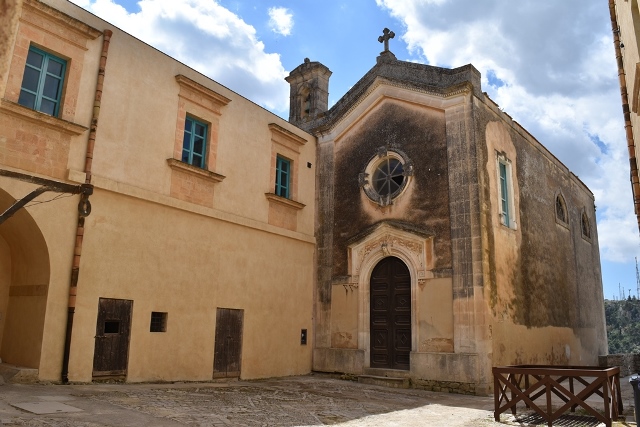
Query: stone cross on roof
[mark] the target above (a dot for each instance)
(387, 34)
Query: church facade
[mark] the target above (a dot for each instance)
(413, 230)
(449, 239)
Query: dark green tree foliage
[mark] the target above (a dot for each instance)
(623, 325)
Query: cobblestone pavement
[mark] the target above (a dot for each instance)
(312, 400)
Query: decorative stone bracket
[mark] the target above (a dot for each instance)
(350, 286)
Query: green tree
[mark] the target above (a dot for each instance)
(623, 325)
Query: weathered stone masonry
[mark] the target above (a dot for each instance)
(484, 294)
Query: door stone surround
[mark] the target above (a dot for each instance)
(417, 252)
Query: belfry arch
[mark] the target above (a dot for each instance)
(24, 285)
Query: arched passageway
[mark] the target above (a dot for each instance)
(24, 285)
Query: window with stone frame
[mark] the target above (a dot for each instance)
(198, 121)
(283, 182)
(43, 103)
(386, 175)
(585, 226)
(193, 175)
(561, 210)
(505, 192)
(42, 82)
(46, 65)
(283, 177)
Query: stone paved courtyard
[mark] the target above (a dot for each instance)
(312, 400)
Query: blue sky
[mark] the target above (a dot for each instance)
(549, 64)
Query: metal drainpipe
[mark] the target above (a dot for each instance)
(631, 146)
(77, 252)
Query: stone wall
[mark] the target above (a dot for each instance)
(421, 134)
(9, 12)
(542, 274)
(629, 363)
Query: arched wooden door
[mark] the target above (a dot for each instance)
(390, 315)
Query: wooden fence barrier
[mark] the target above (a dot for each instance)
(526, 383)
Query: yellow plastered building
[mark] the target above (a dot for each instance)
(186, 241)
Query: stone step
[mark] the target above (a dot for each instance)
(384, 381)
(13, 374)
(393, 373)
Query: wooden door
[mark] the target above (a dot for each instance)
(112, 337)
(228, 343)
(390, 315)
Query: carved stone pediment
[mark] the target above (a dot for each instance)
(387, 240)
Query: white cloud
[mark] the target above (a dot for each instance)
(543, 75)
(280, 20)
(207, 37)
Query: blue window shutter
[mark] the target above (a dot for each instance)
(194, 142)
(504, 193)
(283, 177)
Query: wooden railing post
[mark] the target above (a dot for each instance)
(496, 396)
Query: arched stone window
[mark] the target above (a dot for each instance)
(305, 100)
(307, 106)
(585, 226)
(561, 210)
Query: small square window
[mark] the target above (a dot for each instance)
(194, 143)
(42, 82)
(283, 177)
(158, 322)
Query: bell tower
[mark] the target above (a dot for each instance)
(309, 95)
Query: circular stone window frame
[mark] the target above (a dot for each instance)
(374, 163)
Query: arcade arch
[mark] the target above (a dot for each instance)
(24, 285)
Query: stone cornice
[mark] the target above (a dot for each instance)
(193, 170)
(127, 189)
(394, 224)
(283, 201)
(286, 138)
(417, 77)
(78, 27)
(41, 119)
(276, 128)
(331, 121)
(188, 87)
(296, 73)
